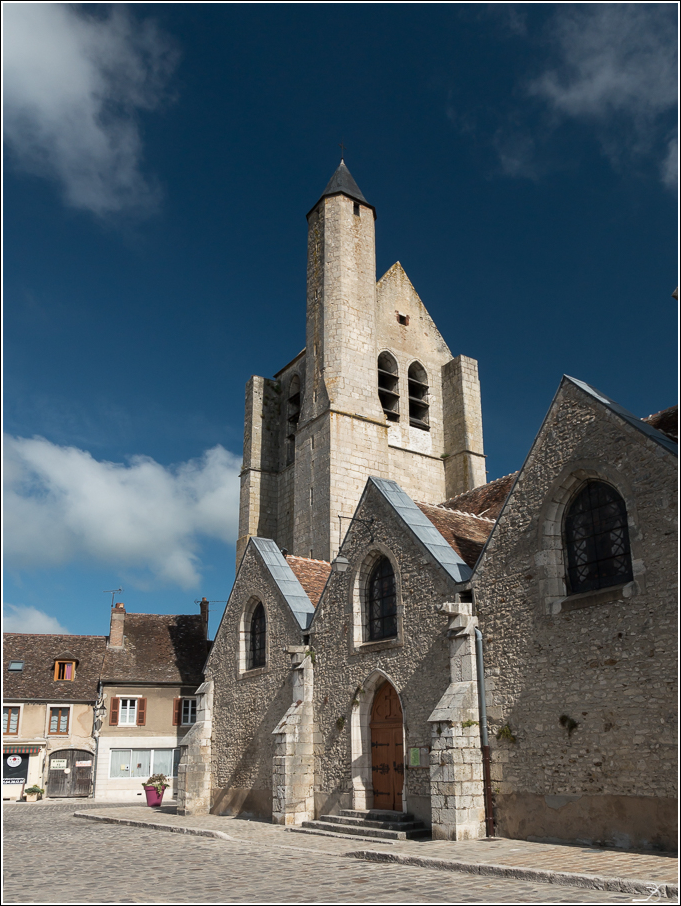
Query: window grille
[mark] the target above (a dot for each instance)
(382, 601)
(597, 539)
(258, 638)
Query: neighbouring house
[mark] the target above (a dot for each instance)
(49, 696)
(404, 636)
(152, 668)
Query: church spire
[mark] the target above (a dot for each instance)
(343, 183)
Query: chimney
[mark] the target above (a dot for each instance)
(204, 614)
(117, 626)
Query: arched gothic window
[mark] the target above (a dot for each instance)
(389, 386)
(418, 396)
(597, 539)
(382, 602)
(258, 652)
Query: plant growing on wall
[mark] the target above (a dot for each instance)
(505, 733)
(340, 723)
(570, 725)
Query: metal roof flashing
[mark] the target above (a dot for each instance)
(285, 580)
(423, 529)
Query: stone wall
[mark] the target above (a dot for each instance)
(248, 704)
(605, 661)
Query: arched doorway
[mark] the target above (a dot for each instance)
(387, 749)
(69, 773)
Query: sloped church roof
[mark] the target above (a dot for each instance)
(342, 183)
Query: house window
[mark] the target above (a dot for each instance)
(389, 386)
(127, 714)
(142, 763)
(258, 638)
(184, 712)
(382, 602)
(10, 721)
(59, 721)
(418, 397)
(64, 670)
(597, 539)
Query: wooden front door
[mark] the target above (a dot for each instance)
(69, 773)
(387, 749)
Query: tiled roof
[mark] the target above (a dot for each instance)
(158, 649)
(465, 532)
(312, 575)
(39, 652)
(666, 421)
(487, 500)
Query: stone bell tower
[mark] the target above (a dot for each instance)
(375, 391)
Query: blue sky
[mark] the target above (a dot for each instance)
(159, 163)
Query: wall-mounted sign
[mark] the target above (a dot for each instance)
(14, 761)
(419, 757)
(13, 780)
(57, 764)
(84, 764)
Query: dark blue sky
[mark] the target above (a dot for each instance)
(520, 159)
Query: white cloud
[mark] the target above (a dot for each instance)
(16, 618)
(615, 66)
(61, 505)
(74, 82)
(670, 165)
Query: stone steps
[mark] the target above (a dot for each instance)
(370, 825)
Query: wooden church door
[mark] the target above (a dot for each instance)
(387, 749)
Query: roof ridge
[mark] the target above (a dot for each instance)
(307, 559)
(448, 509)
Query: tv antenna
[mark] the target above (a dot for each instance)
(113, 592)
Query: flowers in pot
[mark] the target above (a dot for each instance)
(33, 793)
(154, 788)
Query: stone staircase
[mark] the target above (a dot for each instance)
(371, 826)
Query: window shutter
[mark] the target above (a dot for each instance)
(113, 713)
(177, 712)
(141, 712)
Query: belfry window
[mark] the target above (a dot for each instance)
(382, 602)
(258, 653)
(418, 397)
(389, 386)
(597, 539)
(292, 417)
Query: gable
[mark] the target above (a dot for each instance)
(395, 293)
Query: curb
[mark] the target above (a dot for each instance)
(169, 828)
(539, 875)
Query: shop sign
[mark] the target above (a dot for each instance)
(57, 764)
(84, 764)
(13, 761)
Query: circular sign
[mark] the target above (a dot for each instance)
(13, 761)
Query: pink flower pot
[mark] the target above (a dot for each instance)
(154, 798)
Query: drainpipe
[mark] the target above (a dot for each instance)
(482, 705)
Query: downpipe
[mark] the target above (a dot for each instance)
(482, 707)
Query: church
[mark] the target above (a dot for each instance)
(409, 646)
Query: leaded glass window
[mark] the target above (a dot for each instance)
(382, 601)
(597, 539)
(258, 637)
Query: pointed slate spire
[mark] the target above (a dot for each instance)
(342, 183)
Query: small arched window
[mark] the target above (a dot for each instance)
(597, 539)
(418, 397)
(292, 417)
(389, 386)
(258, 651)
(382, 602)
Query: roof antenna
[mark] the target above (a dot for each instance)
(113, 592)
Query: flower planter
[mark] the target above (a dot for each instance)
(154, 797)
(31, 797)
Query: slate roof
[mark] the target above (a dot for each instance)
(158, 648)
(39, 652)
(285, 579)
(666, 421)
(342, 183)
(424, 530)
(642, 425)
(487, 500)
(464, 532)
(312, 575)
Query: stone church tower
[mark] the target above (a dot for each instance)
(376, 391)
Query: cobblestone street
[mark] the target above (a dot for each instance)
(52, 857)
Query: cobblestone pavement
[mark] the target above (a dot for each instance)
(52, 857)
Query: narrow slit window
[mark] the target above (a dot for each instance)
(418, 397)
(258, 655)
(389, 386)
(292, 418)
(382, 602)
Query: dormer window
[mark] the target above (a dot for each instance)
(64, 670)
